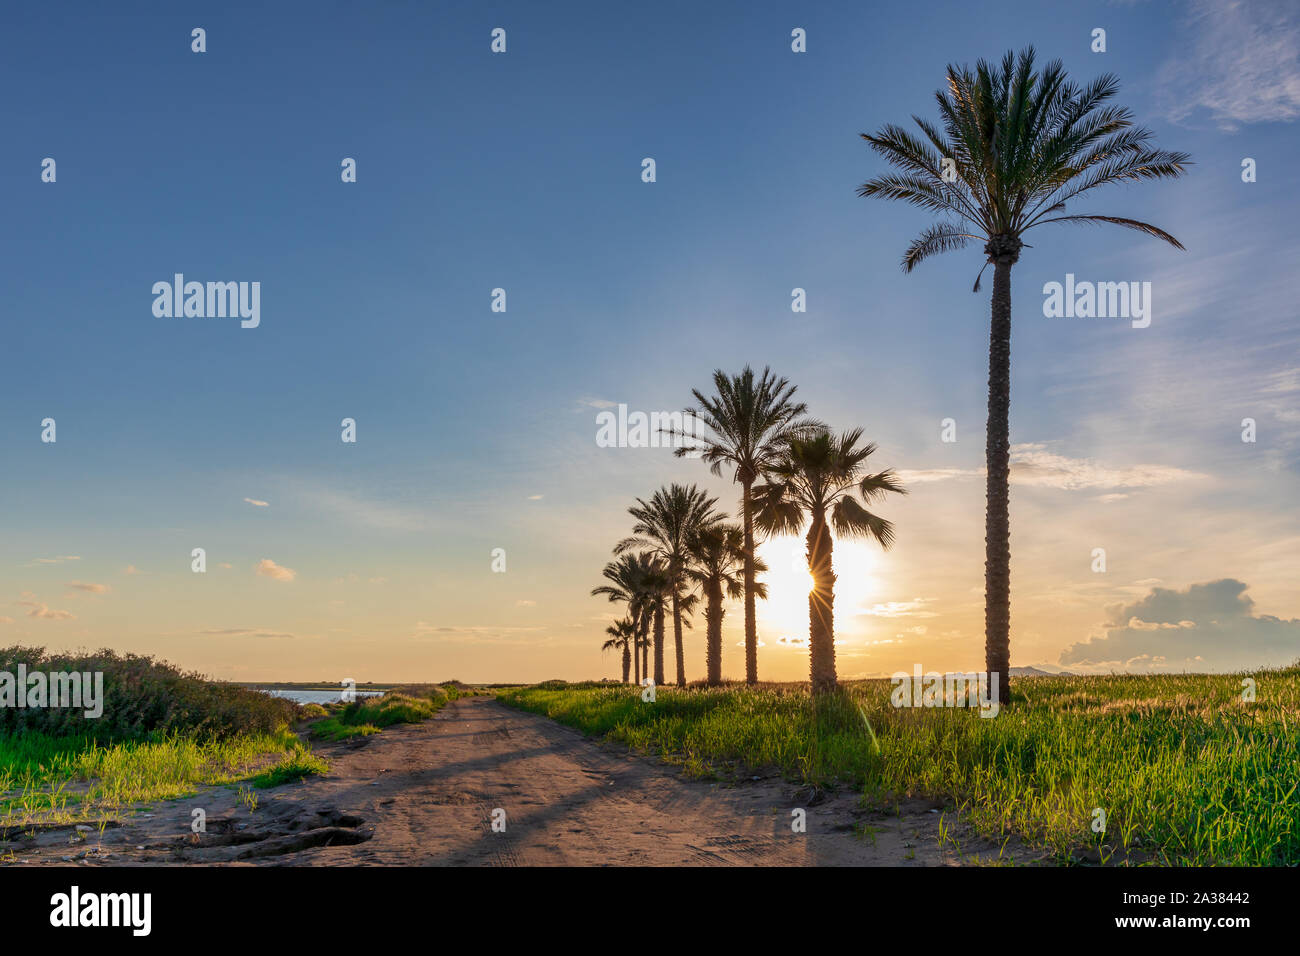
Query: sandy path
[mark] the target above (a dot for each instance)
(423, 795)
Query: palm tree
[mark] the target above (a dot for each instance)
(814, 475)
(621, 635)
(748, 419)
(664, 527)
(631, 581)
(717, 551)
(1016, 147)
(656, 593)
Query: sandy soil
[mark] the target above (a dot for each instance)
(424, 795)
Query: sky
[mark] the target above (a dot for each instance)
(476, 429)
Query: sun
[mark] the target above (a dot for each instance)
(785, 612)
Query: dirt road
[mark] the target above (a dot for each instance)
(425, 795)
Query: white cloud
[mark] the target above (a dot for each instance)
(269, 569)
(912, 608)
(365, 512)
(44, 613)
(259, 504)
(92, 588)
(245, 632)
(1033, 464)
(1238, 61)
(478, 634)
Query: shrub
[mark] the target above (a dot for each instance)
(143, 698)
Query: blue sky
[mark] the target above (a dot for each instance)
(522, 171)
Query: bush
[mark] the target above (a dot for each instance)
(410, 704)
(143, 698)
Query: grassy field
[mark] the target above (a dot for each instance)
(1186, 771)
(58, 779)
(404, 705)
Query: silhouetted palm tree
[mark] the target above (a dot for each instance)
(815, 475)
(664, 527)
(1021, 145)
(632, 581)
(621, 635)
(748, 417)
(717, 551)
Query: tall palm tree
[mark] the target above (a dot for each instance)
(749, 417)
(621, 635)
(717, 552)
(631, 581)
(1017, 146)
(664, 527)
(657, 590)
(815, 476)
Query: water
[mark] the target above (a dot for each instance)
(316, 696)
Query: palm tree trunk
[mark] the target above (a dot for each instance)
(659, 646)
(677, 637)
(713, 644)
(821, 607)
(997, 520)
(636, 653)
(751, 626)
(645, 650)
(627, 658)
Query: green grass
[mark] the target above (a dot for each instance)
(61, 779)
(1186, 772)
(296, 766)
(369, 715)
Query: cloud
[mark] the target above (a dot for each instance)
(6, 620)
(269, 569)
(259, 504)
(245, 632)
(1033, 464)
(926, 475)
(43, 612)
(477, 634)
(534, 497)
(525, 603)
(1238, 61)
(1209, 627)
(364, 512)
(59, 560)
(92, 588)
(132, 569)
(596, 403)
(912, 608)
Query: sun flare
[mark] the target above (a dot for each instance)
(784, 615)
